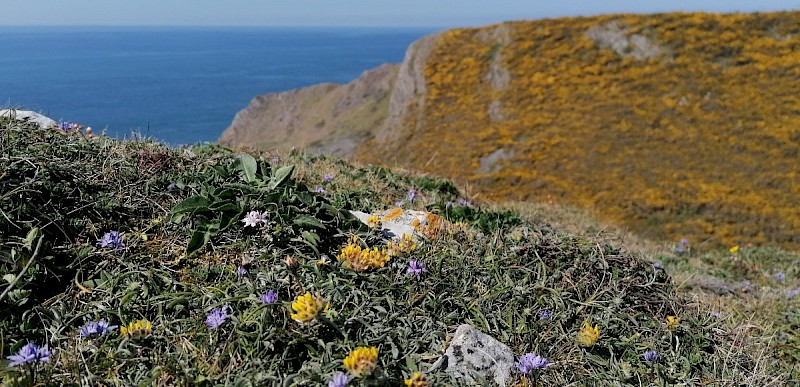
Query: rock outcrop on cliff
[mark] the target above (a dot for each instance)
(676, 125)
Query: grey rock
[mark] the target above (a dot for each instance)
(42, 120)
(473, 356)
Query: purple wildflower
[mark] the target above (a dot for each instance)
(269, 297)
(780, 276)
(112, 239)
(216, 317)
(684, 242)
(241, 271)
(66, 125)
(658, 265)
(679, 250)
(275, 159)
(544, 314)
(30, 353)
(327, 178)
(172, 187)
(99, 328)
(463, 202)
(339, 380)
(652, 356)
(793, 292)
(531, 361)
(416, 268)
(412, 194)
(318, 189)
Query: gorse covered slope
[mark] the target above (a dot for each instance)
(698, 136)
(678, 126)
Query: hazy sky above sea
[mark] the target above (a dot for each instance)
(428, 13)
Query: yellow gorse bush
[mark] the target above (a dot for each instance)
(137, 329)
(402, 247)
(359, 259)
(361, 361)
(587, 336)
(306, 307)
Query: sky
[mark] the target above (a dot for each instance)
(396, 13)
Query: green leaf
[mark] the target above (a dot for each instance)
(312, 238)
(227, 219)
(191, 204)
(247, 164)
(280, 176)
(199, 239)
(306, 221)
(31, 237)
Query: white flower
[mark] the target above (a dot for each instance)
(253, 218)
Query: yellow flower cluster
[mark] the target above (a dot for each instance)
(361, 360)
(403, 247)
(137, 329)
(307, 306)
(417, 380)
(673, 322)
(359, 259)
(588, 335)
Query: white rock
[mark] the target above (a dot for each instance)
(396, 226)
(473, 353)
(41, 120)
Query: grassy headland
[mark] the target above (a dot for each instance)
(188, 265)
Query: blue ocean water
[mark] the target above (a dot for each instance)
(179, 84)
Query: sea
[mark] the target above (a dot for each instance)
(179, 85)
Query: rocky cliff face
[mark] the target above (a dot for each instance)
(677, 125)
(326, 118)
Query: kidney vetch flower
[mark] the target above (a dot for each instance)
(588, 335)
(361, 360)
(306, 307)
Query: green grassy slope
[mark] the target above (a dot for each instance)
(180, 209)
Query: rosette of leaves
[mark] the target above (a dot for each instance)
(227, 190)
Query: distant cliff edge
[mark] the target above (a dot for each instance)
(331, 118)
(681, 125)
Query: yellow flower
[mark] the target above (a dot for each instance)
(137, 329)
(307, 307)
(588, 335)
(402, 247)
(417, 380)
(361, 360)
(358, 258)
(673, 322)
(734, 249)
(373, 221)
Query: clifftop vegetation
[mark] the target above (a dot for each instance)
(130, 263)
(681, 125)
